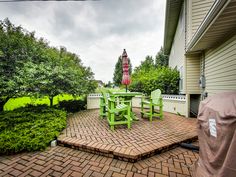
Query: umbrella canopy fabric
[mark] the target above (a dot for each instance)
(125, 63)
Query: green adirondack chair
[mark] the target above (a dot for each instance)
(103, 103)
(119, 112)
(155, 100)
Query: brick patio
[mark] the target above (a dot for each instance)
(88, 132)
(62, 161)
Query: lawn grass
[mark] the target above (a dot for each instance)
(15, 103)
(99, 90)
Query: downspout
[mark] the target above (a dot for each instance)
(188, 109)
(203, 78)
(185, 25)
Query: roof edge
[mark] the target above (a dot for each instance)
(165, 27)
(210, 18)
(169, 31)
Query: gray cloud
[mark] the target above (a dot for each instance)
(96, 30)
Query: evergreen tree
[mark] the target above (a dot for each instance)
(146, 65)
(118, 72)
(161, 58)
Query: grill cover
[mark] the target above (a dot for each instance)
(217, 136)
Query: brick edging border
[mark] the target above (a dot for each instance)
(124, 157)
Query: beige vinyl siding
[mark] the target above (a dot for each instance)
(198, 12)
(189, 21)
(177, 57)
(192, 74)
(220, 68)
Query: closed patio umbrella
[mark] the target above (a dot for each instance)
(125, 63)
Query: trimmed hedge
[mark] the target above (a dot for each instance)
(30, 128)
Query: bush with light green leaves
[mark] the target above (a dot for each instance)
(164, 78)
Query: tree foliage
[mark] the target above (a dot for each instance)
(146, 65)
(108, 85)
(161, 58)
(118, 72)
(16, 47)
(30, 67)
(149, 76)
(163, 78)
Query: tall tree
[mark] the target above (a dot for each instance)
(108, 85)
(118, 72)
(161, 58)
(146, 65)
(17, 46)
(53, 78)
(117, 76)
(29, 67)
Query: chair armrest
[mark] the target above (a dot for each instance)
(144, 97)
(127, 102)
(111, 100)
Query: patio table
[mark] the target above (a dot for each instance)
(127, 97)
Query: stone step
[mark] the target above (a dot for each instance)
(125, 154)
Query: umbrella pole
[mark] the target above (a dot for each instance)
(126, 87)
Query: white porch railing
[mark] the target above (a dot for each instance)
(172, 103)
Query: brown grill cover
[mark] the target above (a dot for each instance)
(217, 136)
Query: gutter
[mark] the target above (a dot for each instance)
(210, 18)
(165, 26)
(169, 29)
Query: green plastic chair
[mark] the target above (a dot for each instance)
(118, 113)
(103, 103)
(155, 100)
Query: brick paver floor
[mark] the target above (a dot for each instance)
(62, 161)
(87, 131)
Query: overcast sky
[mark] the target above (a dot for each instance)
(97, 31)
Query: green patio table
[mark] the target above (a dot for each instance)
(127, 97)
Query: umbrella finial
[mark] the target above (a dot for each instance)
(124, 53)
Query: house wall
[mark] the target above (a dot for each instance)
(198, 10)
(192, 90)
(220, 68)
(192, 74)
(176, 57)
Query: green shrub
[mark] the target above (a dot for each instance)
(163, 78)
(30, 128)
(73, 105)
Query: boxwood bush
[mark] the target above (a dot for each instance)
(30, 128)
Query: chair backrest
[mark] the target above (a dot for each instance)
(105, 96)
(155, 96)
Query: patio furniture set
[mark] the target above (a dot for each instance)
(117, 107)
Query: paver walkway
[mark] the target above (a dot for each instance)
(87, 131)
(62, 161)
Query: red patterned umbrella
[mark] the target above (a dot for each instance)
(125, 63)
